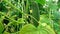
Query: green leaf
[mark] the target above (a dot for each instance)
(27, 29)
(43, 27)
(6, 32)
(30, 29)
(1, 27)
(56, 15)
(53, 6)
(44, 19)
(41, 1)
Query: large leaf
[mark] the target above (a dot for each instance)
(44, 27)
(30, 29)
(6, 32)
(27, 29)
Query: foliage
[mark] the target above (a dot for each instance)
(29, 16)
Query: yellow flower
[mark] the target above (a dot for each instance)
(30, 11)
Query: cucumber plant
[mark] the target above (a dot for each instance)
(29, 17)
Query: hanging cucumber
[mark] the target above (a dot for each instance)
(34, 10)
